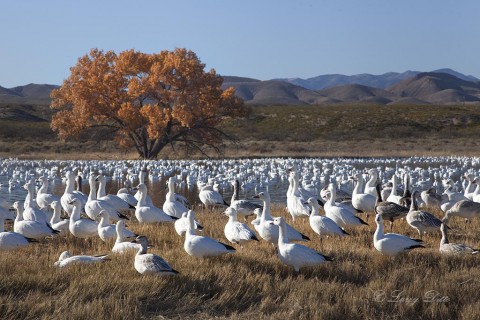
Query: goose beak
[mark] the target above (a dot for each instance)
(256, 196)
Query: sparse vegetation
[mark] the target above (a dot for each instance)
(252, 283)
(354, 130)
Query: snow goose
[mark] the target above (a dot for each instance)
(69, 194)
(125, 195)
(392, 244)
(31, 211)
(293, 254)
(370, 186)
(56, 222)
(44, 199)
(209, 197)
(149, 214)
(453, 248)
(67, 259)
(94, 206)
(339, 213)
(171, 206)
(202, 247)
(148, 263)
(243, 208)
(181, 225)
(111, 199)
(269, 232)
(465, 208)
(471, 186)
(107, 231)
(420, 220)
(148, 200)
(394, 197)
(452, 195)
(80, 227)
(120, 245)
(12, 240)
(31, 229)
(295, 203)
(389, 210)
(237, 232)
(322, 225)
(361, 201)
(431, 199)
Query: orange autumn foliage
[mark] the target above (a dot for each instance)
(147, 100)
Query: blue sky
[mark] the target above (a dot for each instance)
(261, 39)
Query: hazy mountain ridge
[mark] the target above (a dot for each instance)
(447, 87)
(381, 81)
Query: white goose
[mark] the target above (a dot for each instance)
(237, 232)
(171, 206)
(148, 263)
(268, 231)
(44, 199)
(295, 203)
(32, 212)
(108, 231)
(149, 214)
(212, 198)
(361, 201)
(93, 207)
(322, 225)
(125, 195)
(453, 248)
(120, 245)
(67, 259)
(112, 199)
(29, 228)
(296, 255)
(394, 197)
(370, 186)
(392, 244)
(202, 247)
(79, 227)
(341, 214)
(70, 194)
(12, 240)
(141, 178)
(182, 224)
(57, 222)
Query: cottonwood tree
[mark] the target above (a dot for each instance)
(148, 101)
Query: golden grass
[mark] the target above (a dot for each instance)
(252, 283)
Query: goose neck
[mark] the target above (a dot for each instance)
(282, 234)
(379, 232)
(101, 188)
(92, 195)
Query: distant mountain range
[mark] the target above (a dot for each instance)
(381, 81)
(447, 87)
(443, 86)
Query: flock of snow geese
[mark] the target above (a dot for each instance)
(346, 190)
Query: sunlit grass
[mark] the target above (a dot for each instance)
(252, 283)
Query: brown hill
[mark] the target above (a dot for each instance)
(437, 88)
(36, 91)
(358, 93)
(274, 92)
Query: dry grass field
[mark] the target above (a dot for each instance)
(251, 284)
(292, 131)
